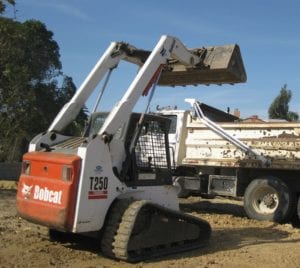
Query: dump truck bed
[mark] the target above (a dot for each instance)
(277, 141)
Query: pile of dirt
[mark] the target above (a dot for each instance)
(8, 185)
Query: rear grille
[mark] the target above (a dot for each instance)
(72, 143)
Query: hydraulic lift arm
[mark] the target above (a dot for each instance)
(167, 47)
(170, 60)
(109, 60)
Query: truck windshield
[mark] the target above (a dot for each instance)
(173, 123)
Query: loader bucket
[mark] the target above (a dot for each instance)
(220, 65)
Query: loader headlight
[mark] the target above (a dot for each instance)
(67, 173)
(26, 167)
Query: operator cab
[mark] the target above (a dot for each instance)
(147, 160)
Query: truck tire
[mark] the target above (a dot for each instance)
(298, 207)
(296, 216)
(296, 222)
(269, 199)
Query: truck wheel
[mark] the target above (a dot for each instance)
(269, 199)
(296, 216)
(298, 207)
(296, 222)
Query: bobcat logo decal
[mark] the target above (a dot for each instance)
(26, 190)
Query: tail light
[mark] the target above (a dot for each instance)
(67, 173)
(26, 167)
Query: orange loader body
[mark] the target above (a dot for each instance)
(48, 188)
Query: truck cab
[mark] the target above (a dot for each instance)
(180, 119)
(176, 133)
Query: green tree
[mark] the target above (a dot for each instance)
(3, 5)
(68, 89)
(279, 108)
(30, 95)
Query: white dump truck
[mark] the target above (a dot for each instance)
(259, 161)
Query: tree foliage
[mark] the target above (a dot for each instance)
(3, 4)
(279, 109)
(30, 95)
(67, 91)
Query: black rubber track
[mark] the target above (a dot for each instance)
(140, 230)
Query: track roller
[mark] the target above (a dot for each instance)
(137, 230)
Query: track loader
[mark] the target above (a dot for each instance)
(101, 184)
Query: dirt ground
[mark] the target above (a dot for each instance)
(236, 241)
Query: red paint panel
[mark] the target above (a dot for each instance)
(152, 80)
(43, 196)
(97, 194)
